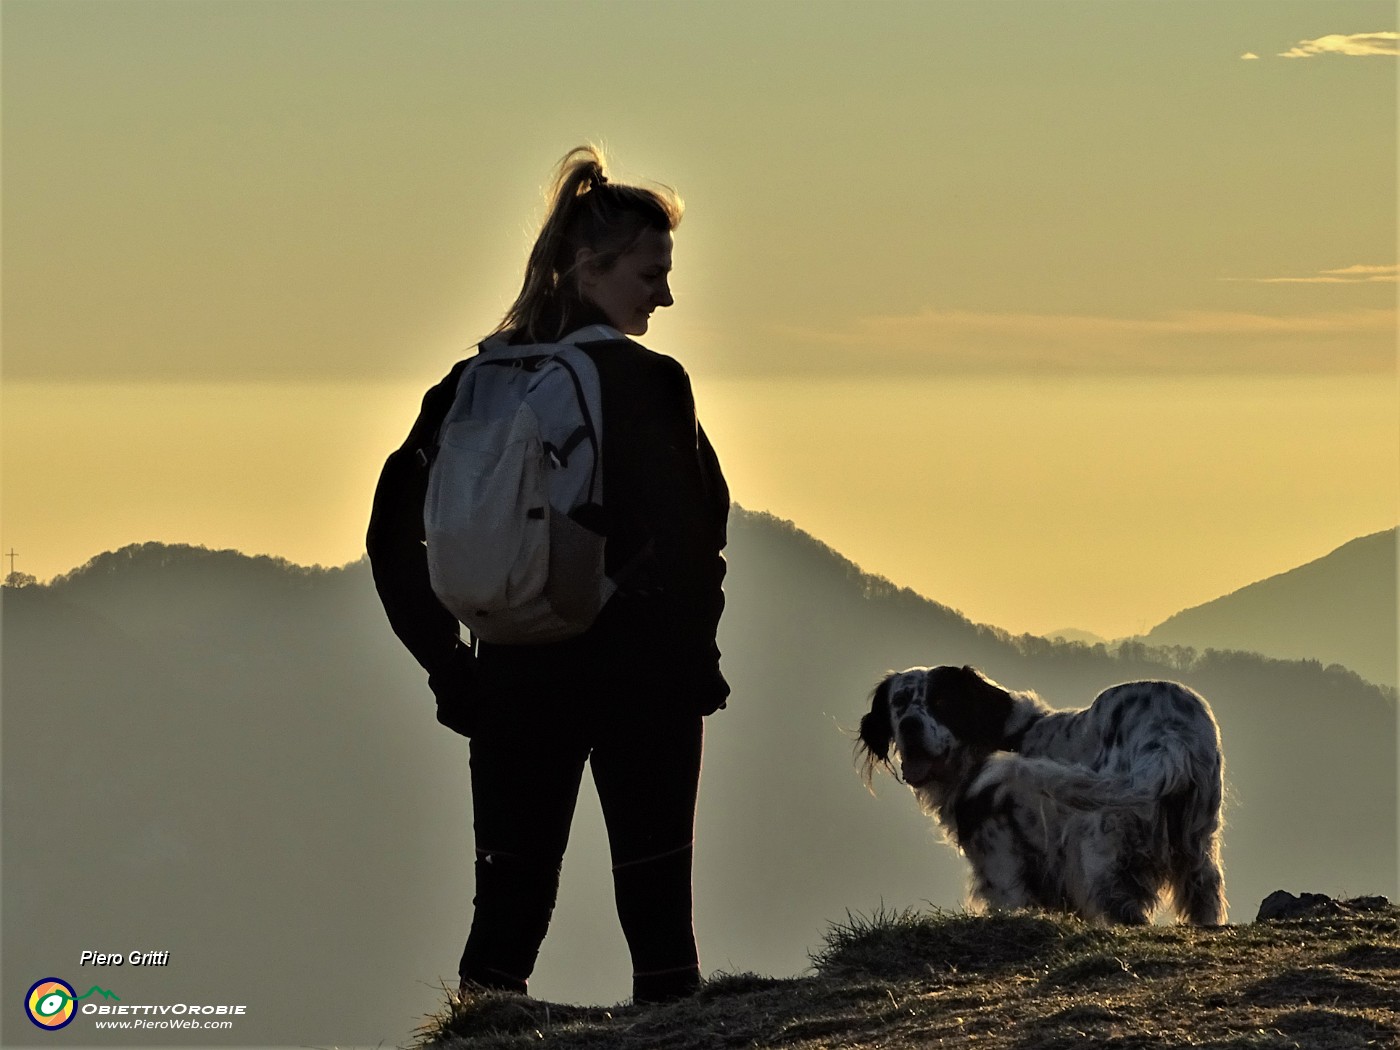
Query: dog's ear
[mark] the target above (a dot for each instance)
(971, 705)
(876, 735)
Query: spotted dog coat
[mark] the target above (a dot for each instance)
(1098, 812)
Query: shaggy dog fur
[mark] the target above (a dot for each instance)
(1098, 812)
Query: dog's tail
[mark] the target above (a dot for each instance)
(1073, 787)
(1173, 767)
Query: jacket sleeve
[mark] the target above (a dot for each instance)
(703, 522)
(713, 567)
(397, 556)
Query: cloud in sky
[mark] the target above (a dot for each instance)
(1186, 342)
(1250, 56)
(1346, 275)
(1351, 44)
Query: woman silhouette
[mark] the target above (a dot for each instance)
(626, 696)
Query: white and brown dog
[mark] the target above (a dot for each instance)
(1099, 812)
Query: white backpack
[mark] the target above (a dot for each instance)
(514, 512)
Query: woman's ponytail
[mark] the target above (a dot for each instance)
(584, 210)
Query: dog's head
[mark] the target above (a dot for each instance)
(929, 715)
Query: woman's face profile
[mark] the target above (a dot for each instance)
(634, 286)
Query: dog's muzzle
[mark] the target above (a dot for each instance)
(916, 765)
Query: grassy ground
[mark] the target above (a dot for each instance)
(905, 980)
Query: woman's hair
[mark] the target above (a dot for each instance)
(585, 211)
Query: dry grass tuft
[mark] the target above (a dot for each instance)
(901, 980)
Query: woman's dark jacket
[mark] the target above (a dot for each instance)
(666, 506)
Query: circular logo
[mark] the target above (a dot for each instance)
(49, 1003)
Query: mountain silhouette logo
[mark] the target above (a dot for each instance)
(51, 1002)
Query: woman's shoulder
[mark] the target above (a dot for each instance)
(625, 351)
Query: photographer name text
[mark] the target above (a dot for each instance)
(134, 958)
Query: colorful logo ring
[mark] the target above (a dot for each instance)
(50, 1003)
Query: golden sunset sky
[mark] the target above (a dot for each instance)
(1065, 314)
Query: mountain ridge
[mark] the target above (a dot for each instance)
(1246, 619)
(276, 786)
(1340, 608)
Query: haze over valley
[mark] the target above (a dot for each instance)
(231, 758)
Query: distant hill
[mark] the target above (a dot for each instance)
(1073, 634)
(232, 759)
(1340, 608)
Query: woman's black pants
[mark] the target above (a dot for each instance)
(525, 780)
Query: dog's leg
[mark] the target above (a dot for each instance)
(1199, 886)
(1001, 895)
(998, 880)
(1197, 880)
(1126, 910)
(1203, 896)
(1126, 896)
(1119, 884)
